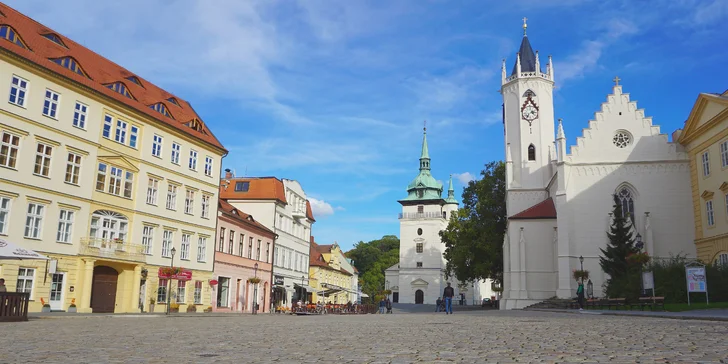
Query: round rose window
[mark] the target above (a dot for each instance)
(622, 139)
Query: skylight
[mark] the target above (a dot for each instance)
(71, 64)
(54, 38)
(120, 88)
(10, 34)
(160, 108)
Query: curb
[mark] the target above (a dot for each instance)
(661, 316)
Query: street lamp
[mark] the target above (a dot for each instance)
(639, 245)
(302, 278)
(169, 284)
(581, 261)
(255, 291)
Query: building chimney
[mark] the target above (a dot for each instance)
(312, 239)
(228, 174)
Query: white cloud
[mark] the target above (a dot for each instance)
(464, 178)
(320, 208)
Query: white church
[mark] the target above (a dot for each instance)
(419, 276)
(559, 202)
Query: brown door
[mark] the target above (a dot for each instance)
(103, 290)
(419, 297)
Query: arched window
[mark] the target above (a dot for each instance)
(531, 153)
(529, 93)
(626, 199)
(108, 226)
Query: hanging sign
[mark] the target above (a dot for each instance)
(278, 280)
(696, 279)
(175, 273)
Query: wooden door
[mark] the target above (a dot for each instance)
(103, 290)
(419, 297)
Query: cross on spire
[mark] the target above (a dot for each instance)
(524, 25)
(616, 80)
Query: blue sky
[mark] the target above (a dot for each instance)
(334, 93)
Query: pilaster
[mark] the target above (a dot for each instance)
(136, 285)
(522, 293)
(88, 278)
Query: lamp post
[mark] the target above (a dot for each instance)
(639, 244)
(255, 291)
(581, 261)
(169, 284)
(387, 288)
(302, 278)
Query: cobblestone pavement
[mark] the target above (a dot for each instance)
(465, 337)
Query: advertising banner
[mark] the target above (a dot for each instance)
(696, 279)
(175, 273)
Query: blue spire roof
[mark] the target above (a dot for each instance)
(528, 57)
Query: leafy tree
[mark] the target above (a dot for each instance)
(624, 279)
(474, 236)
(371, 259)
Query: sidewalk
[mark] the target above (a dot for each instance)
(706, 315)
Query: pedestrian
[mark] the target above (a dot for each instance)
(388, 304)
(2, 285)
(382, 304)
(438, 302)
(449, 293)
(580, 295)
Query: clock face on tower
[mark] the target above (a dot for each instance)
(529, 110)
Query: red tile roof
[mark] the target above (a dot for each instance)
(241, 217)
(315, 258)
(542, 210)
(309, 211)
(100, 71)
(260, 188)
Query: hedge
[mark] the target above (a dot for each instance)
(669, 276)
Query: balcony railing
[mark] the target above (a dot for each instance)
(421, 215)
(112, 249)
(299, 214)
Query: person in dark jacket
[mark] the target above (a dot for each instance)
(449, 293)
(438, 303)
(388, 305)
(382, 304)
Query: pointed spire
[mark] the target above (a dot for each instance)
(503, 71)
(425, 156)
(551, 69)
(451, 193)
(538, 64)
(560, 133)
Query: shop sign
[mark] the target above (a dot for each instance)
(278, 280)
(175, 273)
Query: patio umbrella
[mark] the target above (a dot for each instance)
(9, 250)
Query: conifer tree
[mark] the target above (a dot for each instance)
(623, 281)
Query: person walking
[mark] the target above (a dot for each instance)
(438, 303)
(449, 293)
(580, 295)
(382, 304)
(388, 304)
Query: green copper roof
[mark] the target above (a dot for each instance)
(451, 193)
(424, 186)
(425, 153)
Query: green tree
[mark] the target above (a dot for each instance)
(624, 279)
(371, 259)
(474, 236)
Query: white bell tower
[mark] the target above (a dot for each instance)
(528, 118)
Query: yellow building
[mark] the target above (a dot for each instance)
(705, 137)
(104, 173)
(331, 275)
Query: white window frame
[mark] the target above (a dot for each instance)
(128, 184)
(41, 158)
(120, 132)
(157, 143)
(201, 249)
(197, 295)
(193, 160)
(10, 148)
(184, 251)
(73, 168)
(163, 284)
(167, 241)
(108, 126)
(709, 213)
(176, 151)
(153, 191)
(34, 221)
(706, 163)
(65, 226)
(79, 115)
(50, 104)
(171, 203)
(148, 239)
(21, 86)
(189, 202)
(205, 206)
(115, 180)
(722, 259)
(181, 291)
(101, 177)
(25, 277)
(133, 136)
(5, 205)
(724, 153)
(208, 166)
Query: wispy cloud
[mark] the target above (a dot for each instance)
(321, 208)
(464, 178)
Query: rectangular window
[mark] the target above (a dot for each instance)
(175, 153)
(706, 164)
(43, 160)
(34, 221)
(133, 135)
(419, 264)
(724, 153)
(208, 166)
(65, 226)
(157, 146)
(709, 213)
(275, 256)
(50, 105)
(205, 206)
(152, 189)
(241, 244)
(722, 260)
(242, 186)
(189, 202)
(73, 168)
(120, 135)
(18, 90)
(185, 248)
(162, 291)
(193, 160)
(420, 209)
(167, 243)
(231, 241)
(79, 115)
(181, 291)
(148, 239)
(257, 253)
(223, 291)
(198, 292)
(250, 248)
(420, 247)
(107, 126)
(201, 249)
(101, 177)
(172, 197)
(115, 181)
(9, 150)
(4, 214)
(25, 280)
(267, 252)
(221, 246)
(283, 258)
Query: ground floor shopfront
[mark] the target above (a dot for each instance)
(236, 289)
(287, 290)
(100, 285)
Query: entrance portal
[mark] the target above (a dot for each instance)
(419, 297)
(103, 290)
(395, 297)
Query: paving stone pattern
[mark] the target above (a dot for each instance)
(465, 337)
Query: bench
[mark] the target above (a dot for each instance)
(616, 302)
(651, 302)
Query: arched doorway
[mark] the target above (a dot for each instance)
(419, 297)
(103, 290)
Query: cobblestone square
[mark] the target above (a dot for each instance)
(466, 337)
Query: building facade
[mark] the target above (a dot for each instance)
(103, 172)
(559, 203)
(281, 206)
(705, 138)
(243, 255)
(332, 276)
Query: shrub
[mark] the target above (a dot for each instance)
(669, 276)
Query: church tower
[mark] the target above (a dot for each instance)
(528, 118)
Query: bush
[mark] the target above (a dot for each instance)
(670, 281)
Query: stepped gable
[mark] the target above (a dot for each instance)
(542, 210)
(97, 73)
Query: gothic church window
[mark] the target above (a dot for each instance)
(531, 153)
(627, 201)
(622, 139)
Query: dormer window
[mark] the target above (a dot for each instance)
(160, 108)
(54, 38)
(9, 33)
(173, 100)
(71, 64)
(135, 80)
(119, 87)
(242, 186)
(196, 124)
